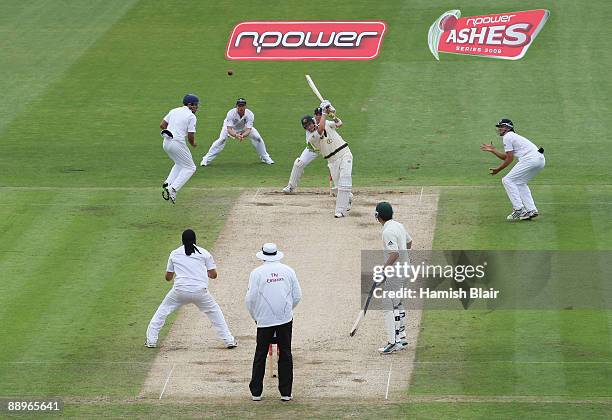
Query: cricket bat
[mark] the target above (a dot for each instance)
(314, 88)
(363, 311)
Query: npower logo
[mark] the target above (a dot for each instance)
(310, 40)
(503, 35)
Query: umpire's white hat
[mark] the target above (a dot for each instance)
(269, 252)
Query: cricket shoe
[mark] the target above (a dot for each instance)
(339, 215)
(391, 348)
(267, 160)
(517, 215)
(288, 190)
(286, 398)
(232, 345)
(165, 192)
(173, 195)
(150, 345)
(204, 162)
(532, 214)
(254, 398)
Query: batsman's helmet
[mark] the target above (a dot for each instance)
(505, 122)
(318, 110)
(240, 101)
(191, 99)
(384, 211)
(307, 119)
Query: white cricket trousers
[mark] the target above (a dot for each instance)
(515, 182)
(183, 167)
(341, 169)
(205, 303)
(219, 144)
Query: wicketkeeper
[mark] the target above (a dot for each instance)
(308, 155)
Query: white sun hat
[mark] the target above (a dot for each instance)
(269, 252)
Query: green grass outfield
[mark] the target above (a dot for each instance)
(84, 233)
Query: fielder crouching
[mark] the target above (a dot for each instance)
(323, 136)
(190, 266)
(530, 162)
(273, 293)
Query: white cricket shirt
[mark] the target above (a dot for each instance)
(395, 238)
(327, 142)
(273, 292)
(238, 123)
(190, 270)
(180, 122)
(519, 145)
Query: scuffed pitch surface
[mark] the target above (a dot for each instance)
(325, 253)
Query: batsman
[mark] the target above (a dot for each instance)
(323, 136)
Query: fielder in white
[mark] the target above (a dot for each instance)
(193, 266)
(177, 124)
(396, 243)
(324, 137)
(530, 162)
(238, 124)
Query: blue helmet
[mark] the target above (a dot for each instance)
(191, 99)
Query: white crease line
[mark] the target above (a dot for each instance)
(167, 380)
(388, 381)
(421, 195)
(255, 195)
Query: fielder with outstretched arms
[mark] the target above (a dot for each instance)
(238, 124)
(190, 266)
(323, 136)
(396, 243)
(530, 162)
(308, 155)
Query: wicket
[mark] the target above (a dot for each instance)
(272, 361)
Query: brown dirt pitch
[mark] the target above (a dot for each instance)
(325, 253)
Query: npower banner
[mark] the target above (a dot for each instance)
(502, 35)
(309, 40)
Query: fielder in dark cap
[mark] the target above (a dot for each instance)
(530, 162)
(396, 243)
(238, 124)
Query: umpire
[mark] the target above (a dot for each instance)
(274, 291)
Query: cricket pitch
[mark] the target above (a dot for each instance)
(325, 253)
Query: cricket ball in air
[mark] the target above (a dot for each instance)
(448, 23)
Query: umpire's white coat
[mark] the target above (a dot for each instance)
(273, 292)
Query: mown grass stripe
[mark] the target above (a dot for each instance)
(40, 40)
